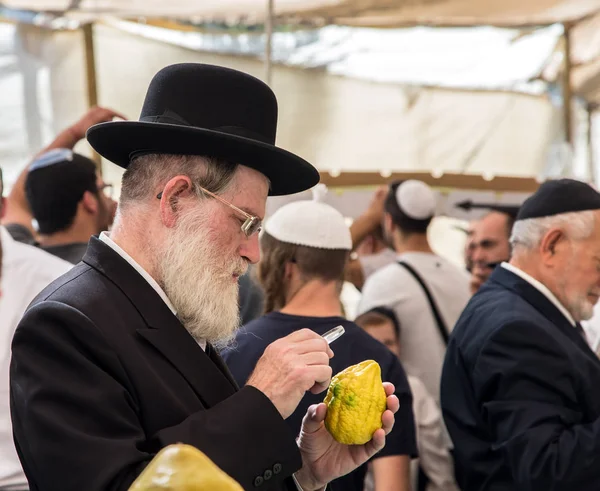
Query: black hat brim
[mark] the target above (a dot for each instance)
(118, 141)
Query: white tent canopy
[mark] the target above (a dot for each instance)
(414, 129)
(322, 116)
(351, 12)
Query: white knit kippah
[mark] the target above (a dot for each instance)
(416, 199)
(311, 224)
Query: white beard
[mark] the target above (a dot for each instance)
(581, 309)
(578, 305)
(197, 279)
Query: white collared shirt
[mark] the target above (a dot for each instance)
(542, 288)
(26, 271)
(104, 237)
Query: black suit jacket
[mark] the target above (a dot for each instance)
(521, 394)
(103, 376)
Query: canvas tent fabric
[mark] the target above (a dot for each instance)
(380, 13)
(321, 115)
(582, 15)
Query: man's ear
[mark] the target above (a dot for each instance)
(388, 227)
(90, 202)
(551, 244)
(170, 199)
(289, 270)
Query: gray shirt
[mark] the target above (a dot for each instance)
(72, 253)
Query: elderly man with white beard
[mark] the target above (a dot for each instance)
(116, 360)
(520, 384)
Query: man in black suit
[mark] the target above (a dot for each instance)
(116, 359)
(520, 385)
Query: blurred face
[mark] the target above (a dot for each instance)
(206, 252)
(488, 243)
(576, 273)
(386, 335)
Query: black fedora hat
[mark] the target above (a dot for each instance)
(197, 109)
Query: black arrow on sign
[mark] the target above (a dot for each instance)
(468, 205)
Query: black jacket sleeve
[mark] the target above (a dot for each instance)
(525, 387)
(77, 423)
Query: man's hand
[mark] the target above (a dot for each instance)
(372, 218)
(377, 204)
(94, 116)
(324, 459)
(291, 366)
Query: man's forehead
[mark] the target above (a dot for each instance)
(492, 223)
(489, 235)
(249, 175)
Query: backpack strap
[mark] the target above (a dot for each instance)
(441, 325)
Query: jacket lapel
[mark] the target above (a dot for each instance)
(207, 379)
(220, 363)
(205, 373)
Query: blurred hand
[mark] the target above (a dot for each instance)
(324, 459)
(291, 366)
(376, 206)
(94, 116)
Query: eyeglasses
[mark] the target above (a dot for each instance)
(107, 189)
(251, 225)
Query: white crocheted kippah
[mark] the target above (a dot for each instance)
(310, 223)
(416, 199)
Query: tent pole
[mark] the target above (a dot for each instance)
(567, 91)
(269, 41)
(590, 144)
(91, 77)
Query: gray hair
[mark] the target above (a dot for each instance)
(147, 173)
(528, 234)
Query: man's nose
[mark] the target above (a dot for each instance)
(250, 249)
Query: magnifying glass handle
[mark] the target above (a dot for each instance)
(333, 334)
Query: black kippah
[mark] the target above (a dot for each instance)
(560, 196)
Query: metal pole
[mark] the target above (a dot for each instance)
(90, 70)
(269, 41)
(590, 144)
(566, 86)
(28, 68)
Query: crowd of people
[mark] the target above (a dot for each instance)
(176, 315)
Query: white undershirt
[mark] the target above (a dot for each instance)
(104, 237)
(542, 288)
